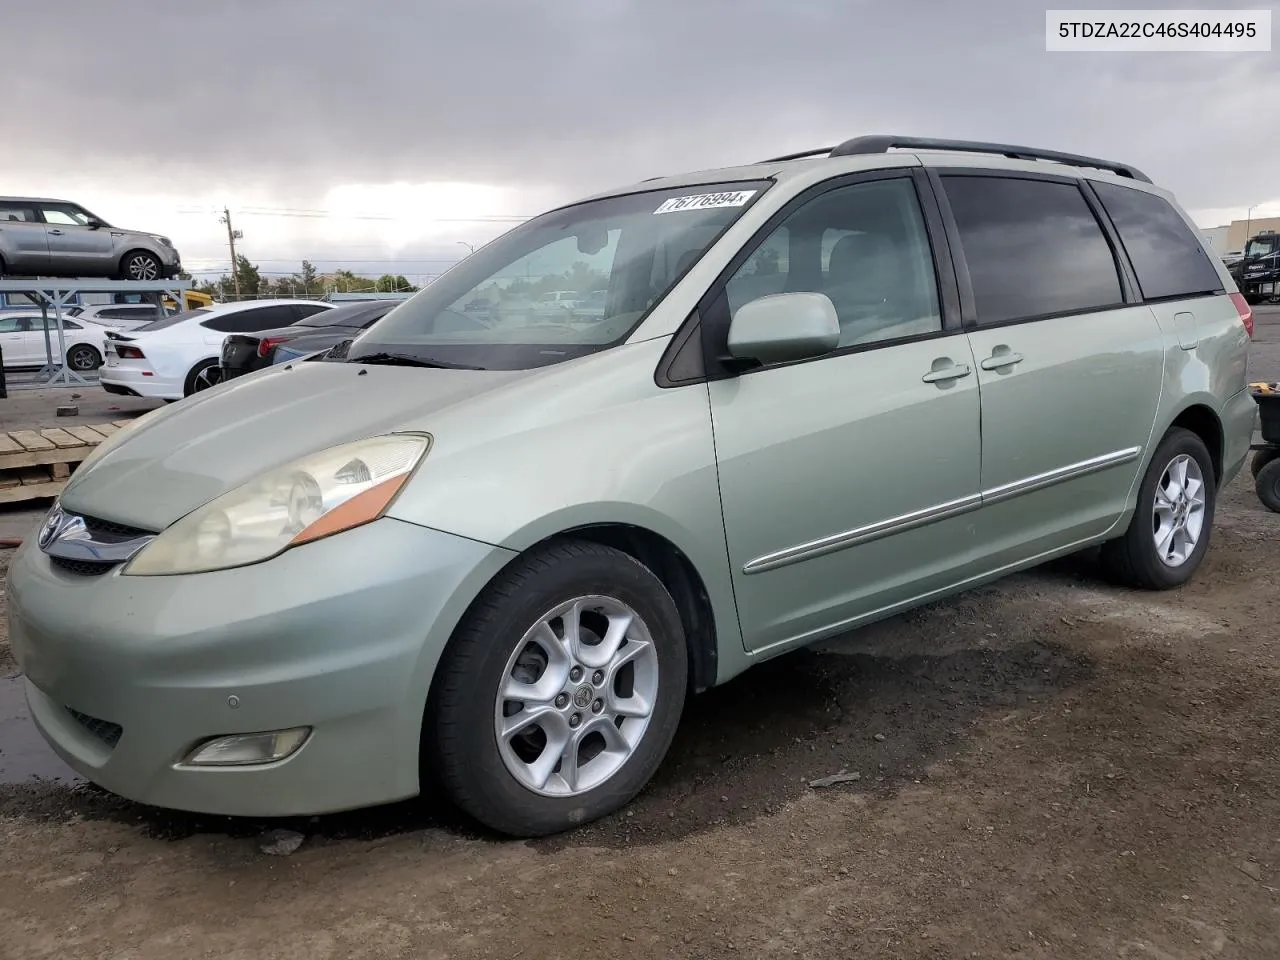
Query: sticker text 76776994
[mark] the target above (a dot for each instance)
(734, 198)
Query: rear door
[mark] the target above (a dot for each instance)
(1070, 362)
(24, 245)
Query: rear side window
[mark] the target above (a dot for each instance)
(1167, 257)
(1033, 248)
(304, 310)
(253, 319)
(173, 320)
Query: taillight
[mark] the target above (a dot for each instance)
(266, 344)
(129, 353)
(1245, 311)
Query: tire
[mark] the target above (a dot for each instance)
(1261, 458)
(1133, 559)
(83, 357)
(140, 265)
(494, 779)
(203, 375)
(1267, 485)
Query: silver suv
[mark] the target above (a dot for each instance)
(54, 238)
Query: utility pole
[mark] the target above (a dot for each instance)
(232, 237)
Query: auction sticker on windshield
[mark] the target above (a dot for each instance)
(734, 198)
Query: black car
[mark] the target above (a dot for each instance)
(246, 352)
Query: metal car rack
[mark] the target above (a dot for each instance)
(57, 292)
(883, 143)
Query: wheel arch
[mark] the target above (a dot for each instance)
(1202, 420)
(681, 578)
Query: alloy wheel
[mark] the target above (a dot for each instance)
(577, 695)
(1178, 511)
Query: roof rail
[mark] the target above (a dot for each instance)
(883, 144)
(820, 151)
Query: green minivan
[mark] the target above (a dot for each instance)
(491, 553)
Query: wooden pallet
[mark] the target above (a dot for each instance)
(37, 463)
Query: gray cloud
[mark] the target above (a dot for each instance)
(293, 97)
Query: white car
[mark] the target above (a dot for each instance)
(175, 357)
(117, 316)
(23, 343)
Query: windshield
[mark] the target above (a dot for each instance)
(1260, 248)
(525, 300)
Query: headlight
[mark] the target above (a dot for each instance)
(319, 495)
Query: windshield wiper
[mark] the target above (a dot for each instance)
(408, 360)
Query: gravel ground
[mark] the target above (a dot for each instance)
(1047, 768)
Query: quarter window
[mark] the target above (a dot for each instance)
(1033, 248)
(1166, 256)
(866, 248)
(10, 212)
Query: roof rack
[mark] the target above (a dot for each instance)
(821, 151)
(880, 143)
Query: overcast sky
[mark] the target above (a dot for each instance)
(428, 113)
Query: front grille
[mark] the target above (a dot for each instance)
(103, 531)
(109, 733)
(112, 532)
(81, 568)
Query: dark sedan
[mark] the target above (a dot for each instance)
(246, 352)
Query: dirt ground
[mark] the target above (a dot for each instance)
(1049, 768)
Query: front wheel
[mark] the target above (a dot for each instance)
(1169, 533)
(140, 265)
(558, 696)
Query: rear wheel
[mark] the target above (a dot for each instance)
(559, 695)
(1169, 533)
(1267, 485)
(83, 357)
(202, 376)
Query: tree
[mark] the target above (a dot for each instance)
(393, 284)
(248, 275)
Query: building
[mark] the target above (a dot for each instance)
(1218, 239)
(1242, 230)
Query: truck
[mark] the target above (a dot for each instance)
(1257, 273)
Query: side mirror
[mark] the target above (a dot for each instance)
(783, 327)
(93, 223)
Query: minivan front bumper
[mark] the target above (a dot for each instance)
(126, 675)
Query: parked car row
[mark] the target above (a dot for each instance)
(180, 355)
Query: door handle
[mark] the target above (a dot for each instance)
(56, 233)
(953, 372)
(998, 361)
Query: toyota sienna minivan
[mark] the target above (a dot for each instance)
(491, 554)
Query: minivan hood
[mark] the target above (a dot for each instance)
(182, 456)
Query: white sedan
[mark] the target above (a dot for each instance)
(178, 356)
(22, 341)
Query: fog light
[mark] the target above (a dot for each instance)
(243, 749)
